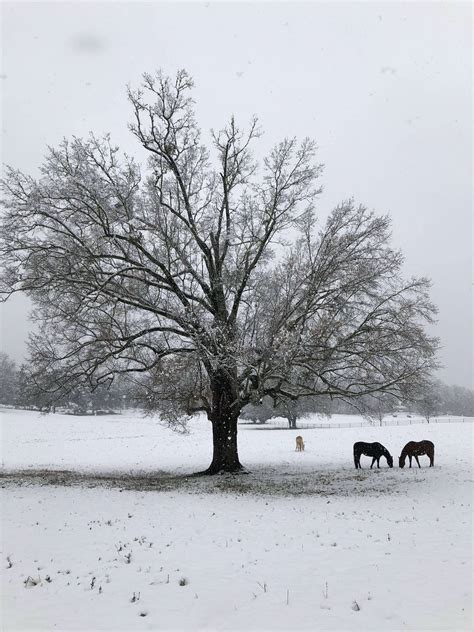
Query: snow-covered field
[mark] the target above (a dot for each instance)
(118, 526)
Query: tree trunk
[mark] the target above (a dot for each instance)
(224, 417)
(225, 456)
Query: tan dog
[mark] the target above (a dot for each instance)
(299, 444)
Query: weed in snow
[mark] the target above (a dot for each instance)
(183, 581)
(31, 582)
(9, 562)
(355, 606)
(136, 597)
(326, 591)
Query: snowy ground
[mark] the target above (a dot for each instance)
(292, 545)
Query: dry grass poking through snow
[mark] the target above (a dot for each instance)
(258, 481)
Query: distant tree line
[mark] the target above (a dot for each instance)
(18, 388)
(435, 399)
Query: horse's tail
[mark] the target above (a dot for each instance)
(432, 450)
(356, 457)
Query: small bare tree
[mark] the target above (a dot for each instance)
(428, 401)
(207, 278)
(375, 407)
(8, 379)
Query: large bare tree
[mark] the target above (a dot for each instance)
(207, 275)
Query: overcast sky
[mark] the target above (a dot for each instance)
(384, 88)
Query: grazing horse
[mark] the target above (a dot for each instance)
(416, 449)
(375, 450)
(299, 444)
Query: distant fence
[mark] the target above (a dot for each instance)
(389, 421)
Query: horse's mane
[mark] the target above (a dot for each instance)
(404, 452)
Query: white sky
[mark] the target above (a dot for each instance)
(384, 88)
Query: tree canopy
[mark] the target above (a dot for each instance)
(206, 273)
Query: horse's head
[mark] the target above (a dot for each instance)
(389, 460)
(401, 461)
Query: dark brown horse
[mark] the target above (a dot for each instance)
(416, 449)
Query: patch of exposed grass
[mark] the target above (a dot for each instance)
(260, 482)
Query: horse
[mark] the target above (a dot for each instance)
(375, 450)
(416, 449)
(299, 444)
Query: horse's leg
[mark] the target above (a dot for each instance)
(378, 463)
(431, 460)
(410, 460)
(416, 457)
(373, 461)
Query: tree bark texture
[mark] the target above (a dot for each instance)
(224, 418)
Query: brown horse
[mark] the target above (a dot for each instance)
(416, 449)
